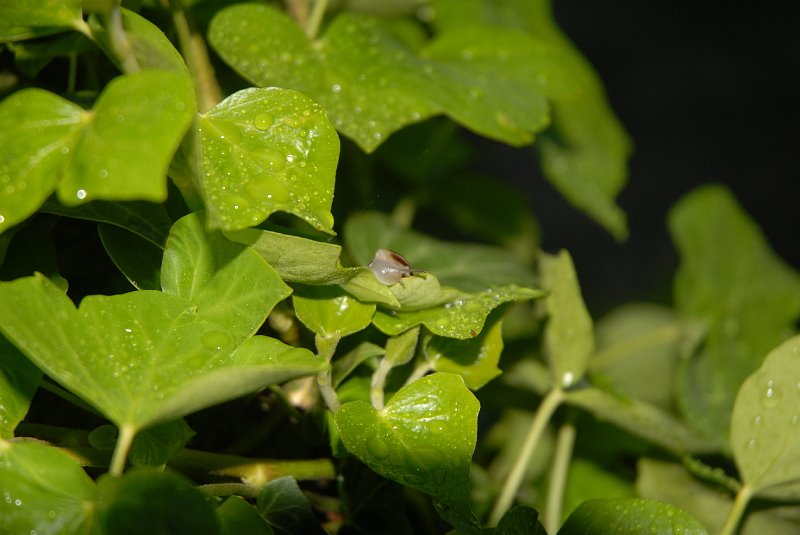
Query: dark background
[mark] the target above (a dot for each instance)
(708, 92)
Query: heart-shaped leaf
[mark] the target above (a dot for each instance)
(286, 509)
(423, 438)
(119, 150)
(263, 150)
(765, 427)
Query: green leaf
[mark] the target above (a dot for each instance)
(638, 346)
(264, 150)
(423, 438)
(630, 516)
(474, 360)
(345, 365)
(468, 267)
(765, 426)
(748, 298)
(659, 480)
(157, 356)
(642, 420)
(150, 47)
(19, 380)
(138, 259)
(588, 481)
(44, 490)
(400, 349)
(31, 57)
(370, 83)
(286, 509)
(297, 259)
(229, 283)
(148, 501)
(329, 312)
(461, 318)
(365, 496)
(120, 150)
(569, 333)
(147, 220)
(24, 19)
(157, 445)
(237, 517)
(520, 520)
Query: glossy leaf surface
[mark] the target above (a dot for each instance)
(423, 438)
(475, 360)
(765, 427)
(264, 150)
(330, 312)
(631, 516)
(19, 379)
(748, 298)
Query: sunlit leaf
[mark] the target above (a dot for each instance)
(45, 491)
(263, 150)
(475, 360)
(330, 312)
(765, 426)
(747, 297)
(632, 516)
(423, 438)
(569, 333)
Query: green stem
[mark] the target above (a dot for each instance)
(737, 511)
(404, 211)
(326, 347)
(194, 50)
(543, 414)
(419, 372)
(73, 73)
(315, 19)
(378, 382)
(121, 450)
(565, 441)
(230, 489)
(120, 44)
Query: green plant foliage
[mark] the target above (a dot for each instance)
(237, 516)
(475, 360)
(747, 297)
(765, 426)
(520, 520)
(18, 382)
(23, 19)
(265, 150)
(330, 312)
(630, 516)
(423, 438)
(286, 509)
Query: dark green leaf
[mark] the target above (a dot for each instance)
(520, 520)
(589, 481)
(18, 382)
(370, 502)
(630, 516)
(138, 259)
(400, 349)
(156, 445)
(147, 501)
(237, 517)
(265, 150)
(423, 438)
(569, 333)
(44, 491)
(730, 279)
(344, 366)
(286, 509)
(765, 426)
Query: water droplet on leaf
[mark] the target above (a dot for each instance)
(263, 121)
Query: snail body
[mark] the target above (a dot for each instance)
(390, 267)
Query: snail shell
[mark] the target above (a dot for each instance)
(389, 267)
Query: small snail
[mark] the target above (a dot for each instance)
(389, 267)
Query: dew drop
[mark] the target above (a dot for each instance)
(2, 219)
(215, 340)
(293, 120)
(336, 88)
(103, 173)
(80, 194)
(770, 398)
(64, 150)
(263, 121)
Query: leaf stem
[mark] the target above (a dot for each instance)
(194, 50)
(121, 450)
(72, 76)
(326, 347)
(737, 511)
(229, 489)
(419, 372)
(404, 211)
(120, 44)
(378, 382)
(543, 414)
(565, 441)
(315, 19)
